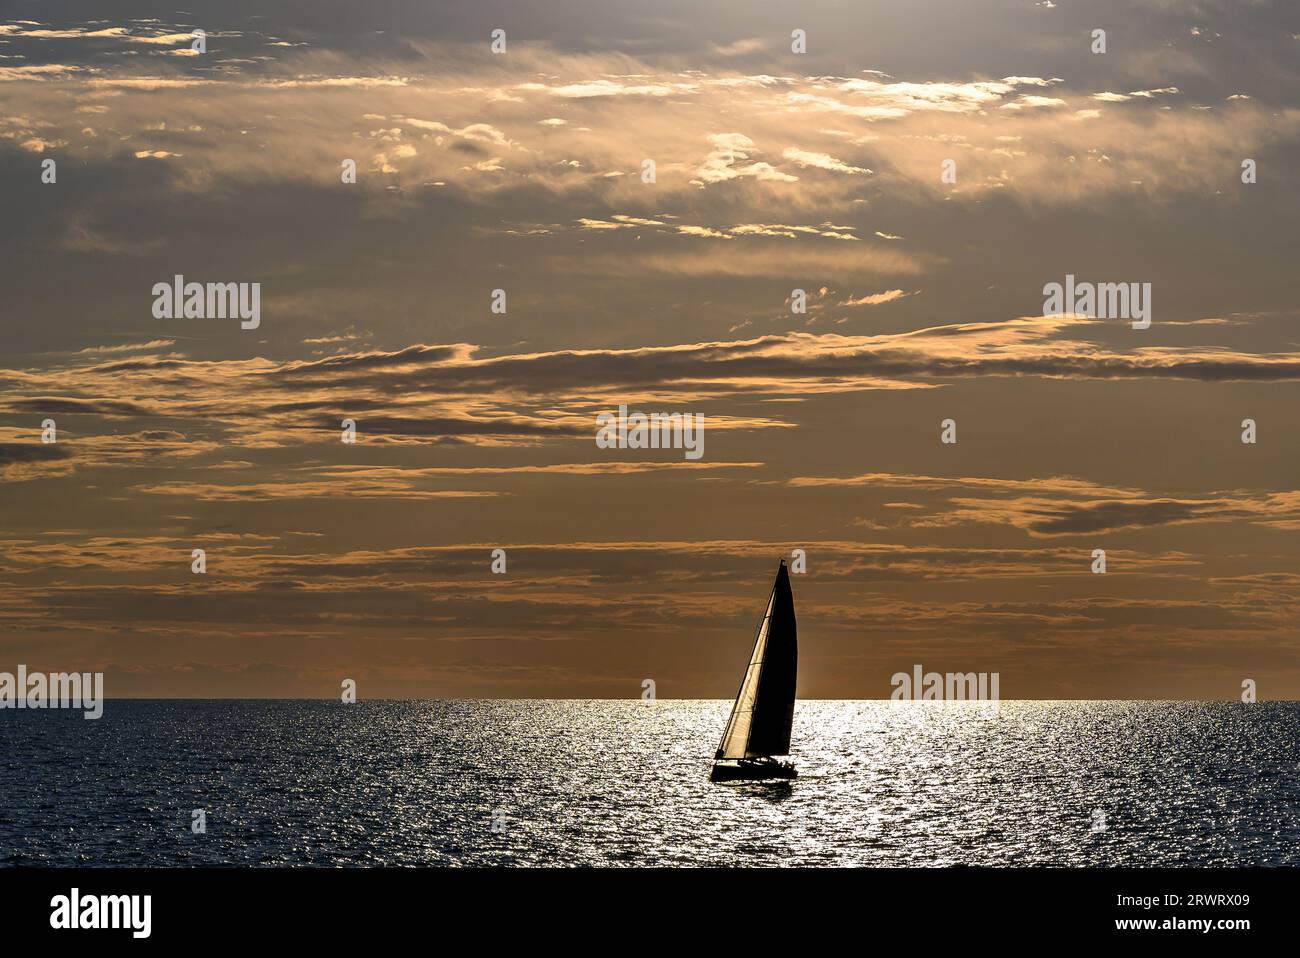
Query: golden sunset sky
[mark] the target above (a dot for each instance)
(775, 171)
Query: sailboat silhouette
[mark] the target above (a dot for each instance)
(760, 722)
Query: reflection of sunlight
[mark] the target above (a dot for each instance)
(612, 782)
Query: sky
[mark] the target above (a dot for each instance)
(774, 171)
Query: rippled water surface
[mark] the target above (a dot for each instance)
(626, 783)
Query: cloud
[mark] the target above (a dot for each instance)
(617, 105)
(1063, 505)
(1046, 517)
(334, 488)
(944, 97)
(621, 221)
(152, 344)
(1106, 97)
(448, 393)
(875, 299)
(730, 149)
(12, 453)
(821, 161)
(609, 88)
(119, 34)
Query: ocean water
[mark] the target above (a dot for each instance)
(625, 783)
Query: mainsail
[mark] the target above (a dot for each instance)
(764, 711)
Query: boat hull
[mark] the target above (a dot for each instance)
(752, 771)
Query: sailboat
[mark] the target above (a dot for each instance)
(760, 722)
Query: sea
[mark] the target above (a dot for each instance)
(625, 783)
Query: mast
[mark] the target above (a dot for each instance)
(761, 719)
